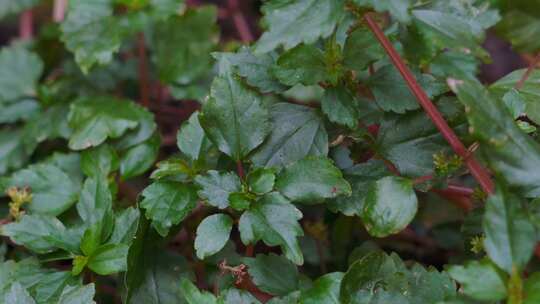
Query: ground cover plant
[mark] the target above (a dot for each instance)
(281, 152)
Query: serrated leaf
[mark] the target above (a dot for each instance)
(481, 280)
(325, 290)
(139, 158)
(167, 204)
(99, 161)
(95, 206)
(183, 44)
(298, 132)
(125, 226)
(507, 149)
(40, 233)
(237, 296)
(304, 64)
(216, 187)
(274, 220)
(49, 124)
(390, 205)
(53, 191)
(340, 106)
(398, 9)
(212, 235)
(360, 177)
(94, 119)
(293, 22)
(256, 69)
(13, 154)
(234, 117)
(91, 32)
(454, 64)
(23, 110)
(191, 139)
(392, 93)
(510, 234)
(109, 259)
(312, 180)
(262, 269)
(27, 66)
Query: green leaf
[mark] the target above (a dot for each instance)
(256, 69)
(109, 259)
(361, 49)
(23, 110)
(240, 200)
(194, 296)
(507, 149)
(53, 191)
(325, 290)
(360, 177)
(99, 161)
(95, 205)
(390, 205)
(340, 106)
(392, 93)
(50, 124)
(298, 132)
(18, 295)
(140, 158)
(234, 117)
(481, 280)
(455, 64)
(94, 119)
(8, 7)
(261, 180)
(78, 294)
(263, 268)
(409, 142)
(520, 27)
(236, 296)
(532, 289)
(91, 240)
(183, 44)
(510, 234)
(312, 180)
(212, 235)
(291, 298)
(150, 279)
(125, 226)
(40, 233)
(91, 32)
(191, 139)
(293, 22)
(20, 71)
(12, 151)
(398, 9)
(216, 187)
(304, 64)
(167, 204)
(274, 220)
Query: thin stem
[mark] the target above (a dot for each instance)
(240, 22)
(479, 172)
(240, 169)
(250, 250)
(528, 72)
(59, 10)
(26, 25)
(143, 71)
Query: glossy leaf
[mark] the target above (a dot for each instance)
(312, 180)
(191, 139)
(216, 187)
(109, 259)
(212, 235)
(325, 290)
(340, 106)
(27, 66)
(262, 269)
(194, 296)
(261, 180)
(390, 205)
(481, 280)
(140, 158)
(304, 64)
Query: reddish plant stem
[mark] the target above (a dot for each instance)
(250, 250)
(479, 172)
(528, 72)
(240, 22)
(26, 25)
(240, 169)
(143, 71)
(59, 10)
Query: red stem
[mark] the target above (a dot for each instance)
(240, 169)
(26, 25)
(143, 71)
(59, 10)
(240, 22)
(250, 250)
(528, 73)
(479, 172)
